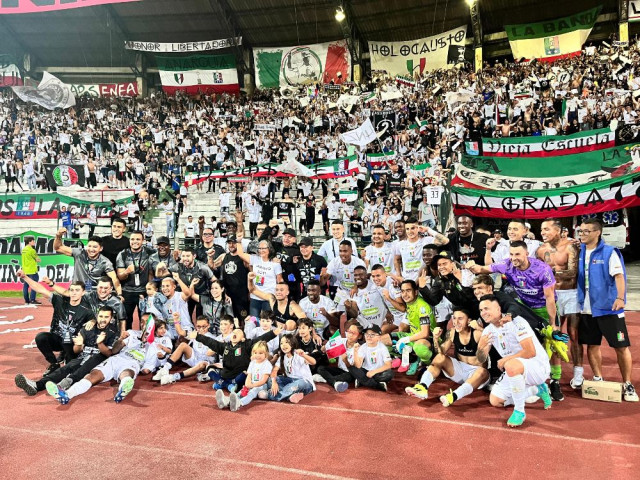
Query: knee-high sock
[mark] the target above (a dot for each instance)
(427, 378)
(463, 390)
(79, 388)
(518, 391)
(556, 372)
(406, 351)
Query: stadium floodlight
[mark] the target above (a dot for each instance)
(340, 15)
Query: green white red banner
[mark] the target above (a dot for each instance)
(199, 74)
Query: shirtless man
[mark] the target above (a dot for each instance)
(562, 256)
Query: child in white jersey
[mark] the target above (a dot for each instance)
(291, 376)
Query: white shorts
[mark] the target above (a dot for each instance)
(462, 372)
(567, 302)
(112, 367)
(536, 371)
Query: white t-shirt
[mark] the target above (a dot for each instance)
(411, 254)
(266, 275)
(374, 357)
(312, 310)
(506, 339)
(251, 331)
(296, 367)
(394, 292)
(615, 267)
(224, 199)
(257, 370)
(177, 304)
(341, 274)
(350, 357)
(371, 305)
(380, 255)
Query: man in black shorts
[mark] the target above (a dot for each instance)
(602, 284)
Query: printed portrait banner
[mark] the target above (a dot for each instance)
(183, 47)
(623, 192)
(50, 93)
(304, 64)
(8, 7)
(554, 39)
(126, 89)
(419, 56)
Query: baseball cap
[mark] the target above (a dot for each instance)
(306, 242)
(232, 239)
(164, 240)
(497, 230)
(445, 254)
(289, 231)
(373, 328)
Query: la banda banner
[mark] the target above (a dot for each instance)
(47, 205)
(544, 146)
(183, 47)
(8, 7)
(341, 167)
(302, 65)
(421, 55)
(9, 72)
(590, 198)
(107, 90)
(196, 74)
(533, 173)
(553, 39)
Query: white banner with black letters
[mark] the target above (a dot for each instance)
(203, 46)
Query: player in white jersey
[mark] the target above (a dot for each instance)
(524, 360)
(379, 252)
(321, 310)
(408, 253)
(131, 355)
(390, 294)
(366, 304)
(340, 273)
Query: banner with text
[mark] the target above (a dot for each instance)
(199, 74)
(126, 89)
(300, 65)
(8, 7)
(419, 56)
(183, 47)
(47, 205)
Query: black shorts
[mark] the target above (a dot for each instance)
(612, 327)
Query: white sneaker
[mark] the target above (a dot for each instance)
(630, 394)
(317, 378)
(167, 379)
(159, 374)
(532, 399)
(221, 400)
(576, 382)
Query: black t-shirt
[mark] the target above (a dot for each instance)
(395, 181)
(68, 319)
(233, 275)
(136, 282)
(284, 208)
(111, 247)
(310, 268)
(90, 336)
(468, 248)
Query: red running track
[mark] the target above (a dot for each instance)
(176, 431)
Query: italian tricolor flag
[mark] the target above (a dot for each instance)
(553, 39)
(336, 345)
(199, 74)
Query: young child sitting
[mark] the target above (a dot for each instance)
(162, 341)
(291, 376)
(254, 328)
(339, 377)
(372, 361)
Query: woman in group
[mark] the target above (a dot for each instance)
(214, 305)
(268, 274)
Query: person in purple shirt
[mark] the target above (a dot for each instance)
(532, 279)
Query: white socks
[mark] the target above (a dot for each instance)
(406, 351)
(427, 379)
(463, 390)
(518, 391)
(79, 388)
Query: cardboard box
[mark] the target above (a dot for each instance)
(604, 391)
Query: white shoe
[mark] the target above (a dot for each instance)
(576, 382)
(168, 379)
(221, 400)
(317, 378)
(630, 394)
(532, 399)
(159, 374)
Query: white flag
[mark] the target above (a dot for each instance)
(51, 93)
(294, 167)
(361, 136)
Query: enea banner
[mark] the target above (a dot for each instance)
(26, 207)
(183, 47)
(199, 74)
(9, 72)
(590, 198)
(34, 6)
(544, 146)
(554, 39)
(107, 90)
(418, 56)
(302, 65)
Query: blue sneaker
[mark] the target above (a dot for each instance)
(413, 368)
(217, 385)
(543, 393)
(232, 388)
(126, 386)
(57, 393)
(516, 419)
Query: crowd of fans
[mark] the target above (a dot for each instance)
(249, 305)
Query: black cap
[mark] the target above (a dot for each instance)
(497, 230)
(445, 254)
(164, 240)
(374, 328)
(232, 239)
(289, 231)
(306, 242)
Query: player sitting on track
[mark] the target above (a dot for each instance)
(93, 346)
(257, 377)
(372, 362)
(236, 356)
(524, 360)
(196, 355)
(464, 368)
(131, 355)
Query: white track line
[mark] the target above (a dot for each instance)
(210, 456)
(407, 417)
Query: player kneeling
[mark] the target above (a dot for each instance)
(524, 360)
(464, 369)
(131, 355)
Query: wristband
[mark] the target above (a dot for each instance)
(618, 298)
